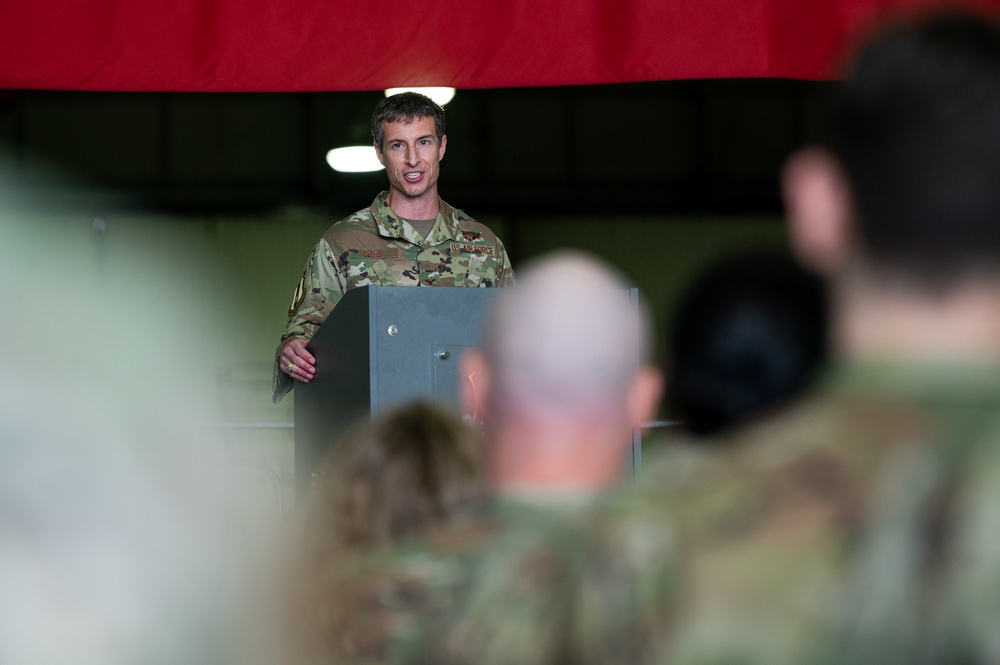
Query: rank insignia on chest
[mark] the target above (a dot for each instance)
(471, 236)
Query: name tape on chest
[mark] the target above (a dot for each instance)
(468, 248)
(381, 253)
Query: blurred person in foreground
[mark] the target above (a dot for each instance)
(560, 384)
(414, 468)
(562, 380)
(123, 538)
(408, 236)
(861, 525)
(748, 337)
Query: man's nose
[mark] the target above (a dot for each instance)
(411, 156)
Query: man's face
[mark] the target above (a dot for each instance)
(411, 154)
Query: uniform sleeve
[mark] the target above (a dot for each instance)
(319, 290)
(968, 608)
(505, 273)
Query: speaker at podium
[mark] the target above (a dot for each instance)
(383, 346)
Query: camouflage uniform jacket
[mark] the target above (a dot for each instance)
(376, 247)
(500, 589)
(861, 524)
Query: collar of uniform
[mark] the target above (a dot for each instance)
(544, 505)
(446, 227)
(966, 382)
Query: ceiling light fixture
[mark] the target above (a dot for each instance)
(354, 159)
(440, 95)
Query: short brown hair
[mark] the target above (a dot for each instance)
(415, 467)
(406, 106)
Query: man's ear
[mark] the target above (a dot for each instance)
(441, 148)
(378, 153)
(818, 204)
(645, 394)
(474, 385)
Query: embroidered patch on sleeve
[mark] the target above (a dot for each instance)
(298, 296)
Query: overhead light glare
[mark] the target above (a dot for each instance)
(440, 95)
(353, 159)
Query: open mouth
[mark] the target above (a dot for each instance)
(413, 176)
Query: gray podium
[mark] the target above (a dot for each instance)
(386, 345)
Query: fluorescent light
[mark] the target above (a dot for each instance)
(353, 159)
(440, 95)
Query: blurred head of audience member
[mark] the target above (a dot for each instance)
(563, 378)
(413, 467)
(902, 209)
(748, 335)
(413, 470)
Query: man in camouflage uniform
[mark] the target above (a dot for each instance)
(408, 237)
(560, 386)
(862, 523)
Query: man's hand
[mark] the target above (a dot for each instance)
(296, 361)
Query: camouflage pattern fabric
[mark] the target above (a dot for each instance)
(376, 247)
(862, 525)
(497, 590)
(924, 583)
(859, 525)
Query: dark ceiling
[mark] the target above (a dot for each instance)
(711, 147)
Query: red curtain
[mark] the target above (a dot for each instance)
(302, 45)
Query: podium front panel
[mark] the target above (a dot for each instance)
(382, 346)
(414, 338)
